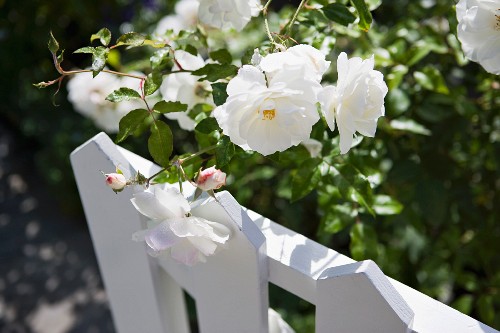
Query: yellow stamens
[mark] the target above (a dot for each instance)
(268, 114)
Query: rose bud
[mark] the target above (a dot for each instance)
(116, 181)
(211, 179)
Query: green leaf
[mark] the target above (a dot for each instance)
(339, 217)
(214, 72)
(430, 78)
(207, 125)
(86, 49)
(131, 39)
(224, 152)
(305, 178)
(123, 94)
(99, 59)
(363, 242)
(130, 122)
(154, 43)
(167, 107)
(223, 56)
(152, 83)
(53, 45)
(338, 13)
(104, 35)
(219, 93)
(353, 185)
(385, 205)
(365, 17)
(60, 57)
(409, 125)
(160, 59)
(160, 143)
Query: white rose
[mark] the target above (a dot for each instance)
(314, 147)
(356, 102)
(479, 32)
(88, 96)
(189, 239)
(185, 17)
(185, 88)
(298, 55)
(211, 179)
(226, 14)
(277, 324)
(116, 181)
(269, 116)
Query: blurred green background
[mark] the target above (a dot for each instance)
(437, 151)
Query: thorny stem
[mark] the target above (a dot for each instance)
(289, 25)
(266, 23)
(178, 163)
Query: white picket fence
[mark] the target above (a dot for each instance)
(231, 289)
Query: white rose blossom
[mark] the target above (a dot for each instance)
(189, 239)
(277, 324)
(88, 96)
(226, 14)
(298, 55)
(357, 101)
(185, 17)
(211, 179)
(185, 88)
(479, 32)
(269, 114)
(116, 181)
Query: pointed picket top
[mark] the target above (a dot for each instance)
(237, 272)
(358, 297)
(142, 297)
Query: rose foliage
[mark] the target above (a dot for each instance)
(359, 123)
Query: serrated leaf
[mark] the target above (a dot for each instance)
(365, 17)
(385, 205)
(99, 59)
(154, 43)
(104, 36)
(305, 178)
(353, 186)
(160, 59)
(430, 78)
(223, 56)
(86, 49)
(130, 122)
(339, 217)
(167, 107)
(152, 83)
(53, 45)
(339, 13)
(207, 125)
(131, 39)
(160, 143)
(214, 72)
(224, 152)
(123, 94)
(363, 241)
(60, 57)
(219, 93)
(409, 125)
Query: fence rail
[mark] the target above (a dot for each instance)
(231, 289)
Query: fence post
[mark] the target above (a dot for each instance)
(358, 297)
(142, 298)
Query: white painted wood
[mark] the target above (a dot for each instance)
(141, 297)
(297, 271)
(294, 262)
(358, 297)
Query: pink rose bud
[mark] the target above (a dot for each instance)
(211, 179)
(116, 181)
